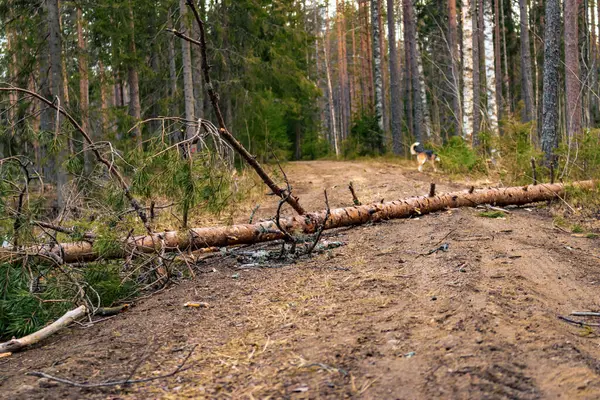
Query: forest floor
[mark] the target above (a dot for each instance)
(376, 318)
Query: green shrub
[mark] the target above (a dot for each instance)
(365, 139)
(457, 157)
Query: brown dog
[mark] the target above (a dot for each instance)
(424, 156)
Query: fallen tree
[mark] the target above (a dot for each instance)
(198, 238)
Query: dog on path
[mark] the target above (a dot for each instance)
(424, 156)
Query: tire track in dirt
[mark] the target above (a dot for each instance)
(373, 319)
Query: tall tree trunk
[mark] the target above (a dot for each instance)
(57, 91)
(332, 120)
(172, 69)
(135, 109)
(197, 77)
(395, 91)
(364, 55)
(412, 62)
(454, 62)
(593, 67)
(423, 96)
(506, 80)
(385, 110)
(342, 70)
(572, 77)
(468, 66)
(500, 103)
(490, 70)
(526, 79)
(551, 63)
(188, 84)
(104, 99)
(476, 72)
(84, 90)
(377, 71)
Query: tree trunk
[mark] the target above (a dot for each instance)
(572, 77)
(197, 238)
(467, 67)
(490, 70)
(551, 78)
(423, 94)
(526, 76)
(104, 99)
(84, 90)
(135, 109)
(498, 61)
(332, 123)
(593, 67)
(377, 68)
(412, 63)
(454, 64)
(172, 70)
(57, 91)
(476, 74)
(188, 84)
(395, 91)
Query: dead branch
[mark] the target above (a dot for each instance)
(197, 238)
(432, 190)
(62, 229)
(533, 171)
(127, 381)
(572, 321)
(111, 167)
(355, 199)
(19, 344)
(252, 213)
(585, 314)
(225, 134)
(322, 227)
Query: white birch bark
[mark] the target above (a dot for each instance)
(426, 116)
(467, 70)
(490, 69)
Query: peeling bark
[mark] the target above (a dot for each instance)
(197, 238)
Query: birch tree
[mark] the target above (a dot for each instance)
(467, 69)
(572, 77)
(377, 65)
(490, 70)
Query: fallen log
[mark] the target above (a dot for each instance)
(18, 344)
(198, 238)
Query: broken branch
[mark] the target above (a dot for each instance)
(18, 344)
(355, 199)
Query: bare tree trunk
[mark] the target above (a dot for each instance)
(197, 238)
(454, 62)
(593, 67)
(84, 89)
(385, 110)
(342, 70)
(423, 95)
(135, 109)
(332, 122)
(188, 84)
(377, 72)
(104, 100)
(526, 76)
(498, 62)
(57, 91)
(395, 92)
(572, 77)
(551, 78)
(412, 62)
(469, 64)
(490, 70)
(476, 71)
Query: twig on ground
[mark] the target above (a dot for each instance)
(494, 208)
(62, 229)
(128, 381)
(322, 227)
(580, 323)
(471, 189)
(355, 199)
(585, 314)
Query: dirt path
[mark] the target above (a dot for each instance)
(373, 319)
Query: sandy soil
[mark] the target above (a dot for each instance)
(373, 319)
